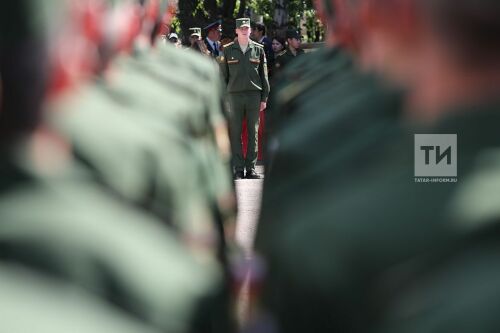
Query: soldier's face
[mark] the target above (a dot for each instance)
(244, 32)
(294, 42)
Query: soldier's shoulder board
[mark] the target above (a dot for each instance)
(282, 53)
(258, 44)
(229, 44)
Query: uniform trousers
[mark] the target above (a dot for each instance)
(241, 105)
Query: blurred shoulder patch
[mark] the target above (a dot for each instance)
(475, 204)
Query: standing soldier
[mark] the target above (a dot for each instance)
(244, 69)
(293, 49)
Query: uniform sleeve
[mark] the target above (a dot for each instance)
(277, 64)
(269, 54)
(224, 68)
(263, 76)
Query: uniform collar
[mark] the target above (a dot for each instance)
(238, 46)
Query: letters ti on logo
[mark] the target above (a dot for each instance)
(435, 155)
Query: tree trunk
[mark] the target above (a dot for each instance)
(228, 23)
(228, 8)
(212, 9)
(243, 7)
(186, 18)
(280, 16)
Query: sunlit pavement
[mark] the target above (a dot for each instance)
(249, 193)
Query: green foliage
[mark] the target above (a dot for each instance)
(237, 8)
(296, 10)
(299, 11)
(200, 9)
(262, 7)
(301, 14)
(315, 30)
(175, 25)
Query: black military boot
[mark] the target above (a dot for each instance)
(251, 174)
(238, 175)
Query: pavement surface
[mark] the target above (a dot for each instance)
(249, 194)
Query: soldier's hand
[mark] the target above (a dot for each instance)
(263, 106)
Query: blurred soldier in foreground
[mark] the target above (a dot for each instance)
(389, 252)
(170, 153)
(84, 255)
(244, 71)
(325, 112)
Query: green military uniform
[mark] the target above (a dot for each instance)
(289, 83)
(314, 146)
(174, 166)
(358, 239)
(285, 57)
(34, 302)
(275, 114)
(55, 220)
(245, 76)
(319, 143)
(381, 253)
(130, 159)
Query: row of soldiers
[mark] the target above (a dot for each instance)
(117, 207)
(351, 239)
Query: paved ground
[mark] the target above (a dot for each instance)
(249, 193)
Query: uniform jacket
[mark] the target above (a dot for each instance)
(245, 72)
(283, 58)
